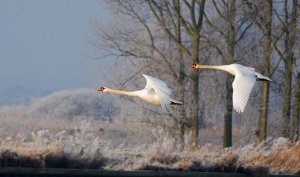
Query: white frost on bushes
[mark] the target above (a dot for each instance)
(66, 104)
(73, 103)
(11, 110)
(82, 144)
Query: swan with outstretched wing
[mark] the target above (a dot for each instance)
(156, 92)
(243, 83)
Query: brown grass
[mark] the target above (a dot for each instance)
(283, 160)
(85, 149)
(272, 157)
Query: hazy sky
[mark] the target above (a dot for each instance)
(43, 43)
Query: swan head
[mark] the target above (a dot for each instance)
(195, 65)
(101, 89)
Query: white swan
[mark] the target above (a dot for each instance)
(156, 92)
(243, 83)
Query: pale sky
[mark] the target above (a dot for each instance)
(44, 46)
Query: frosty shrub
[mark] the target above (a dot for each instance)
(164, 142)
(74, 103)
(82, 149)
(12, 110)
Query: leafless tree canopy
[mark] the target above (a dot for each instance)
(164, 38)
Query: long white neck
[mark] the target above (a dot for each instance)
(226, 68)
(120, 92)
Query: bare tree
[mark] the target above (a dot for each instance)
(296, 108)
(232, 30)
(192, 25)
(288, 20)
(227, 140)
(164, 38)
(290, 56)
(264, 99)
(261, 14)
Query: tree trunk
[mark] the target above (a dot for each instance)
(263, 113)
(264, 99)
(290, 35)
(295, 128)
(227, 140)
(194, 111)
(290, 50)
(194, 93)
(182, 117)
(286, 106)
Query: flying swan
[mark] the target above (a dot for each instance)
(156, 92)
(243, 83)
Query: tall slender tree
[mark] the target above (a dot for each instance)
(296, 108)
(266, 27)
(178, 35)
(227, 140)
(231, 30)
(192, 25)
(287, 34)
(290, 56)
(290, 30)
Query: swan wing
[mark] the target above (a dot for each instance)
(242, 87)
(161, 89)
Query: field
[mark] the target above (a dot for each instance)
(31, 138)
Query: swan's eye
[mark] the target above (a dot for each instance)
(194, 65)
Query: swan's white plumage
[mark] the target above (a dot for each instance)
(160, 88)
(155, 92)
(242, 85)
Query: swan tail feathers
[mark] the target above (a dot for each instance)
(174, 102)
(261, 77)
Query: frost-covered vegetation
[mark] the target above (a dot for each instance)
(82, 129)
(73, 103)
(84, 149)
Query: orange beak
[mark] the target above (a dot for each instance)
(100, 89)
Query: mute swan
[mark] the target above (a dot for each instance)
(243, 83)
(156, 92)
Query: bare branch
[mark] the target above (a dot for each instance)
(244, 32)
(192, 10)
(214, 26)
(201, 14)
(218, 10)
(163, 25)
(187, 4)
(215, 46)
